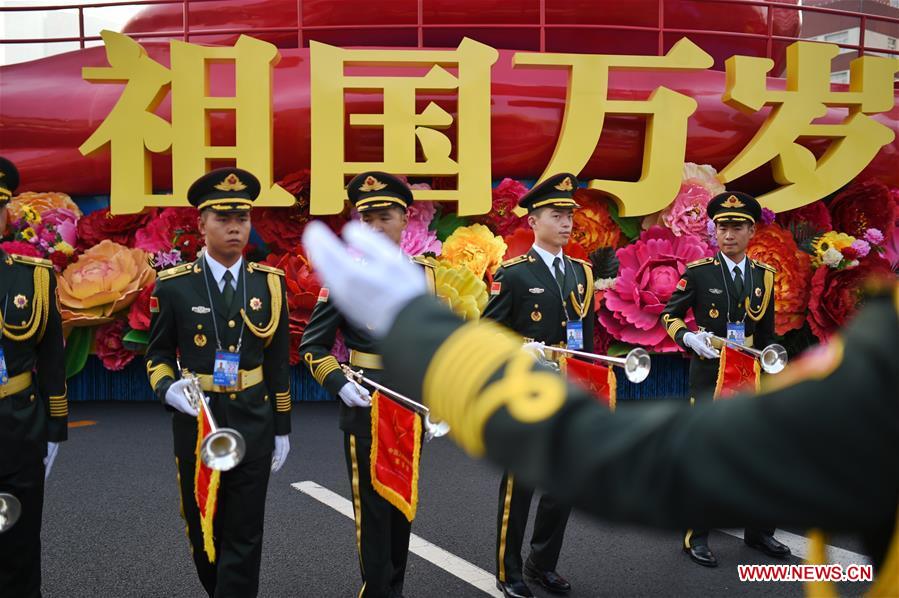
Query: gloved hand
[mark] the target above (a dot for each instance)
(282, 449)
(52, 449)
(699, 342)
(354, 395)
(174, 396)
(535, 349)
(370, 292)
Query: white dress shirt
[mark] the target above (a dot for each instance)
(218, 271)
(548, 258)
(730, 264)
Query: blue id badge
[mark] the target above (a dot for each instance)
(574, 334)
(226, 368)
(4, 375)
(736, 331)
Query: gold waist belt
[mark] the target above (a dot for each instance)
(245, 379)
(361, 359)
(17, 383)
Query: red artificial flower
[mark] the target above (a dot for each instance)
(502, 219)
(862, 206)
(302, 293)
(174, 228)
(139, 314)
(109, 347)
(121, 229)
(21, 248)
(775, 246)
(835, 294)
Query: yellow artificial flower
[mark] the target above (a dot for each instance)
(64, 248)
(474, 247)
(28, 234)
(830, 240)
(465, 293)
(31, 215)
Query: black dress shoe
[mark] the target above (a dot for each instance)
(702, 554)
(514, 589)
(550, 580)
(768, 545)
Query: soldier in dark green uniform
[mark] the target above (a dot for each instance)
(33, 406)
(382, 531)
(819, 448)
(544, 296)
(732, 296)
(218, 310)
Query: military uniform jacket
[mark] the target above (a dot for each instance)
(818, 449)
(315, 351)
(525, 297)
(183, 326)
(708, 289)
(32, 341)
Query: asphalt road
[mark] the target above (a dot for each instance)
(112, 528)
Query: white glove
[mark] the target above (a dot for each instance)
(535, 349)
(699, 342)
(354, 395)
(174, 396)
(282, 449)
(370, 292)
(52, 449)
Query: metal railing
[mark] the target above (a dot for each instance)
(302, 30)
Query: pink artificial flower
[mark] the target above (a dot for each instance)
(417, 238)
(65, 222)
(874, 236)
(686, 215)
(648, 271)
(861, 247)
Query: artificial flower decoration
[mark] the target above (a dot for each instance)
(775, 246)
(476, 248)
(41, 203)
(109, 347)
(836, 293)
(648, 271)
(105, 279)
(593, 226)
(465, 293)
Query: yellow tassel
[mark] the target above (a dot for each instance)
(817, 556)
(40, 311)
(267, 332)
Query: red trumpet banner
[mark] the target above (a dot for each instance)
(206, 487)
(395, 453)
(598, 379)
(737, 372)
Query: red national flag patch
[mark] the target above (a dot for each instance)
(154, 305)
(682, 284)
(323, 295)
(495, 288)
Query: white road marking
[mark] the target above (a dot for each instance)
(799, 545)
(467, 572)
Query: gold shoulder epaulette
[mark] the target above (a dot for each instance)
(264, 268)
(176, 271)
(31, 261)
(515, 260)
(705, 260)
(424, 261)
(580, 261)
(765, 266)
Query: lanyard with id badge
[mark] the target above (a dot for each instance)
(226, 368)
(4, 373)
(736, 331)
(574, 329)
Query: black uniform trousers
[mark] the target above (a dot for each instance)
(238, 523)
(20, 546)
(703, 376)
(512, 519)
(382, 531)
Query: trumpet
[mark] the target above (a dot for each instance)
(772, 358)
(636, 364)
(10, 511)
(432, 429)
(222, 448)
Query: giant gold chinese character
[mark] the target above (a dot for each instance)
(855, 140)
(588, 103)
(404, 128)
(133, 130)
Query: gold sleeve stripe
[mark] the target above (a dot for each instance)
(478, 350)
(157, 373)
(672, 325)
(59, 406)
(322, 371)
(286, 394)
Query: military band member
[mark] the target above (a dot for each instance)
(221, 314)
(33, 406)
(732, 296)
(544, 296)
(382, 531)
(818, 449)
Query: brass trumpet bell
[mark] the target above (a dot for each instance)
(10, 511)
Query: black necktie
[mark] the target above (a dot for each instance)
(738, 283)
(557, 270)
(228, 290)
